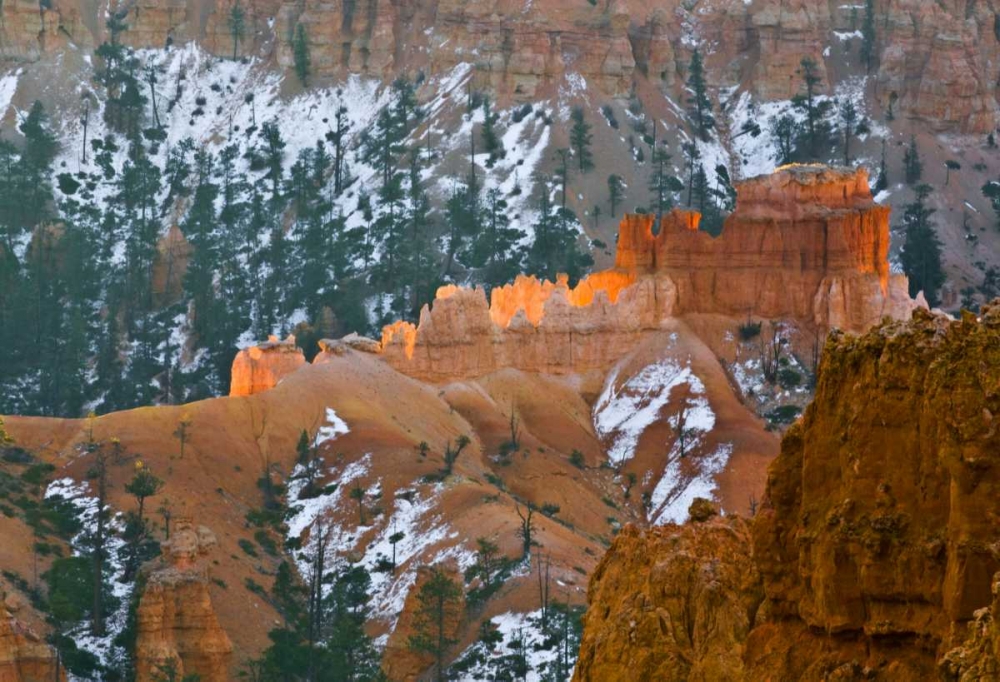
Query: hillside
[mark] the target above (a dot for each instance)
(181, 252)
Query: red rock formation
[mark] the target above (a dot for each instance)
(807, 244)
(259, 368)
(671, 603)
(24, 657)
(879, 525)
(176, 621)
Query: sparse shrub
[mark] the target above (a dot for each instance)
(749, 331)
(248, 547)
(577, 460)
(789, 378)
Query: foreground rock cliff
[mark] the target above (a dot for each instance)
(876, 541)
(24, 657)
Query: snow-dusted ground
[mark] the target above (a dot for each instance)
(79, 495)
(522, 635)
(427, 538)
(623, 413)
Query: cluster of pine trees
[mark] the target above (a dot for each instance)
(97, 314)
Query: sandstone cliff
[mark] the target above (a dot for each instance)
(933, 60)
(261, 367)
(24, 657)
(672, 603)
(806, 244)
(176, 621)
(879, 525)
(876, 540)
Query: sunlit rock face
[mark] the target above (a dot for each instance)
(175, 619)
(806, 244)
(261, 367)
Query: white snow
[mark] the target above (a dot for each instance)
(334, 427)
(511, 626)
(78, 494)
(8, 86)
(673, 494)
(623, 413)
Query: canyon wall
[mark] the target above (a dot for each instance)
(175, 619)
(875, 544)
(935, 60)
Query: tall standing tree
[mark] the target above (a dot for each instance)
(581, 139)
(701, 105)
(616, 192)
(921, 257)
(913, 167)
(439, 604)
(815, 132)
(300, 54)
(237, 26)
(662, 183)
(868, 36)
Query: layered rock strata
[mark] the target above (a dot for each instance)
(933, 60)
(880, 521)
(806, 244)
(175, 620)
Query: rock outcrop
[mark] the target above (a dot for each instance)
(876, 543)
(24, 656)
(806, 244)
(175, 619)
(672, 603)
(261, 367)
(934, 60)
(880, 520)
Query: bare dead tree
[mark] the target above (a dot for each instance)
(772, 349)
(527, 527)
(543, 564)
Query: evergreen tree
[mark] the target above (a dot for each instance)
(701, 105)
(581, 139)
(237, 25)
(882, 181)
(616, 192)
(491, 141)
(555, 248)
(494, 248)
(438, 607)
(815, 132)
(300, 54)
(868, 36)
(783, 131)
(338, 136)
(662, 183)
(921, 257)
(913, 167)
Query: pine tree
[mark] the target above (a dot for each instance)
(848, 122)
(692, 161)
(581, 139)
(616, 192)
(300, 54)
(662, 183)
(815, 132)
(783, 131)
(868, 36)
(555, 248)
(338, 137)
(701, 105)
(921, 257)
(882, 181)
(494, 250)
(913, 167)
(491, 141)
(438, 607)
(237, 26)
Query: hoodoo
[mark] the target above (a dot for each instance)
(807, 244)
